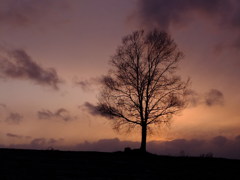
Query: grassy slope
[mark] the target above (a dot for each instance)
(33, 164)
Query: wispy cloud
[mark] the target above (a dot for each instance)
(38, 143)
(17, 64)
(87, 85)
(214, 97)
(61, 113)
(11, 135)
(41, 142)
(193, 98)
(22, 13)
(14, 135)
(14, 118)
(3, 105)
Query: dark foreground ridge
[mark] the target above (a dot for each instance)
(52, 164)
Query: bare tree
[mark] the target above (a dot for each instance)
(142, 88)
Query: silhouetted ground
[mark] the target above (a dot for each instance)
(50, 164)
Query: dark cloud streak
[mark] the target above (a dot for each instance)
(14, 135)
(61, 113)
(90, 108)
(17, 64)
(37, 143)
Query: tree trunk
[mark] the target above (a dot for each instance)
(144, 138)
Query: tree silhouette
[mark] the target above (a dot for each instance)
(141, 88)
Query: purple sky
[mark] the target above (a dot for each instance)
(53, 52)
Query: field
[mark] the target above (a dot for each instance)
(53, 164)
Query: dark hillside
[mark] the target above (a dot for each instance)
(51, 164)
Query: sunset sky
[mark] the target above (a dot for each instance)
(52, 53)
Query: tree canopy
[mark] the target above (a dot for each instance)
(142, 87)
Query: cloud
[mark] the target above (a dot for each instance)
(43, 142)
(163, 13)
(14, 135)
(14, 118)
(17, 64)
(105, 145)
(38, 143)
(61, 113)
(22, 13)
(224, 14)
(90, 108)
(11, 135)
(3, 105)
(193, 98)
(214, 97)
(87, 85)
(8, 116)
(219, 141)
